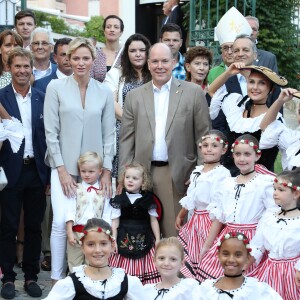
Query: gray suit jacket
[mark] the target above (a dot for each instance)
(266, 59)
(187, 121)
(71, 129)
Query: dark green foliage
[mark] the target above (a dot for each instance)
(279, 35)
(93, 28)
(277, 32)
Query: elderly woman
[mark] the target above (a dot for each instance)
(197, 64)
(132, 73)
(8, 40)
(108, 56)
(79, 117)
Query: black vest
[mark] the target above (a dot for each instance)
(82, 294)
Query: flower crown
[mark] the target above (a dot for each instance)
(288, 184)
(99, 229)
(251, 144)
(237, 235)
(214, 138)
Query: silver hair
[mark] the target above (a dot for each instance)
(254, 19)
(246, 36)
(44, 30)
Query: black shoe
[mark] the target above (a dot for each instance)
(8, 290)
(33, 289)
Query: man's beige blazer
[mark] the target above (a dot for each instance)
(187, 121)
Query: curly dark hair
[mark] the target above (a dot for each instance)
(128, 72)
(192, 54)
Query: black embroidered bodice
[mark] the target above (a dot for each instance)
(135, 237)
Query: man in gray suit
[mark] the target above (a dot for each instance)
(264, 58)
(162, 124)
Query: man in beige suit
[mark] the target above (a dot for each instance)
(162, 124)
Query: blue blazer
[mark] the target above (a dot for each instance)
(41, 84)
(13, 162)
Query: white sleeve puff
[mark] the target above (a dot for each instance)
(135, 289)
(268, 191)
(257, 242)
(62, 290)
(270, 136)
(216, 102)
(267, 292)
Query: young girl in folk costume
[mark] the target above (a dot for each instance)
(238, 204)
(96, 279)
(276, 133)
(89, 203)
(169, 259)
(205, 181)
(278, 235)
(135, 225)
(234, 254)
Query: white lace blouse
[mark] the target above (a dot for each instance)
(64, 288)
(249, 290)
(234, 113)
(203, 186)
(186, 289)
(243, 203)
(278, 235)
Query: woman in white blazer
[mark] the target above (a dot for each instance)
(79, 117)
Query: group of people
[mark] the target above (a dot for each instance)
(122, 138)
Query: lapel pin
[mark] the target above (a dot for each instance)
(41, 116)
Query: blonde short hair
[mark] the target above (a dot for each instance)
(91, 157)
(81, 42)
(171, 241)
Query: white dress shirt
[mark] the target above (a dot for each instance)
(161, 104)
(24, 105)
(60, 74)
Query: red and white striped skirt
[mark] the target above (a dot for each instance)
(143, 267)
(279, 274)
(210, 267)
(261, 169)
(192, 237)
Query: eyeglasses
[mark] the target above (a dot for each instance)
(227, 48)
(37, 44)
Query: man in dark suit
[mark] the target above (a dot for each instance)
(166, 11)
(176, 17)
(264, 58)
(27, 176)
(162, 124)
(63, 67)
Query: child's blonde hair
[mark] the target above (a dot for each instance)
(171, 241)
(91, 157)
(147, 182)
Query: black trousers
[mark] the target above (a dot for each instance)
(28, 193)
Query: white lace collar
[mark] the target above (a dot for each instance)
(98, 288)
